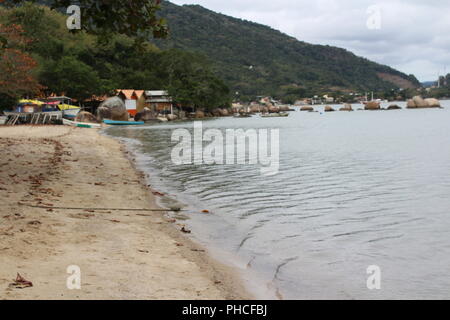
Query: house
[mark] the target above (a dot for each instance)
(159, 101)
(130, 98)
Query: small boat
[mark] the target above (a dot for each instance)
(275, 115)
(123, 123)
(81, 124)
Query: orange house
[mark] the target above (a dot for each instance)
(130, 98)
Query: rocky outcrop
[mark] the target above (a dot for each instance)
(394, 107)
(172, 117)
(329, 109)
(84, 116)
(307, 108)
(255, 109)
(372, 105)
(114, 109)
(346, 107)
(145, 115)
(410, 104)
(418, 102)
(273, 109)
(433, 103)
(199, 115)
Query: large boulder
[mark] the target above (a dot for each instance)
(307, 108)
(172, 117)
(329, 109)
(285, 108)
(84, 116)
(420, 102)
(273, 109)
(410, 104)
(224, 112)
(145, 115)
(114, 109)
(372, 105)
(394, 107)
(199, 115)
(346, 107)
(433, 103)
(255, 108)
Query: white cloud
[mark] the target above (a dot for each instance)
(413, 37)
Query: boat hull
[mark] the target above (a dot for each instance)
(123, 123)
(71, 113)
(82, 124)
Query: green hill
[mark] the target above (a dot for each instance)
(254, 59)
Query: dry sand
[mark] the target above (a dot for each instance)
(122, 254)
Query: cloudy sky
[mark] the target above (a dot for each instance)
(412, 36)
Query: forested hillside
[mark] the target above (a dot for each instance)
(257, 60)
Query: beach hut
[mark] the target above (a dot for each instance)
(130, 98)
(159, 101)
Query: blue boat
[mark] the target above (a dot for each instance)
(123, 123)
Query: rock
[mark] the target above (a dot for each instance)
(145, 115)
(307, 108)
(224, 112)
(199, 115)
(273, 109)
(265, 110)
(420, 102)
(84, 116)
(285, 109)
(172, 117)
(394, 107)
(346, 107)
(255, 109)
(433, 103)
(372, 105)
(329, 109)
(410, 104)
(114, 109)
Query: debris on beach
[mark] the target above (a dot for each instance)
(21, 283)
(184, 230)
(157, 193)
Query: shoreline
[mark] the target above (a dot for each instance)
(121, 254)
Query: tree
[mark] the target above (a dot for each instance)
(101, 17)
(74, 78)
(191, 82)
(16, 66)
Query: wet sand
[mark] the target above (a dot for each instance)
(121, 254)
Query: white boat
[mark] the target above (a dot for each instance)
(81, 124)
(275, 115)
(71, 113)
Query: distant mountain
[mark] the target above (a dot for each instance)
(428, 84)
(257, 60)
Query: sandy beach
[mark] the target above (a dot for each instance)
(121, 254)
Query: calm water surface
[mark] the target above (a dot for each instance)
(354, 190)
